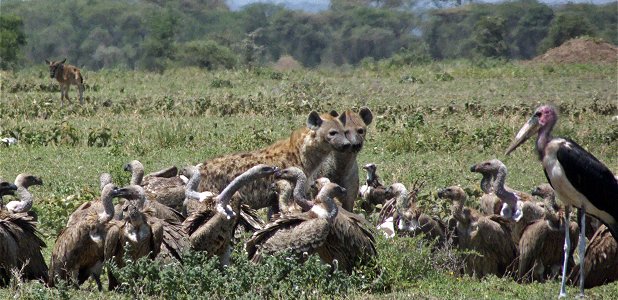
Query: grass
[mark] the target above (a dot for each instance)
(432, 127)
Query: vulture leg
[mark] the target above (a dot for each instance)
(582, 247)
(567, 249)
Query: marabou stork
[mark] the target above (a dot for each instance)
(578, 178)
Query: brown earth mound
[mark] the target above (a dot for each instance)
(581, 50)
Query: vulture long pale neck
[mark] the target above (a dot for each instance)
(500, 189)
(137, 173)
(457, 210)
(108, 206)
(238, 183)
(25, 201)
(326, 199)
(486, 183)
(300, 191)
(104, 180)
(192, 185)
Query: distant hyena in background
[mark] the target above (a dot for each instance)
(66, 75)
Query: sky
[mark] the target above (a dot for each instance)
(318, 5)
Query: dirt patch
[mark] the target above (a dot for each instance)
(287, 63)
(581, 50)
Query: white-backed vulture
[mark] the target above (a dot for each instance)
(494, 175)
(175, 241)
(23, 181)
(600, 261)
(211, 227)
(527, 210)
(303, 233)
(78, 250)
(20, 244)
(488, 236)
(284, 190)
(165, 186)
(249, 219)
(541, 245)
(490, 204)
(372, 192)
(350, 241)
(8, 245)
(141, 233)
(407, 219)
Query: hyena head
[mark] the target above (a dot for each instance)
(328, 131)
(355, 126)
(54, 66)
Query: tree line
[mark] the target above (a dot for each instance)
(157, 34)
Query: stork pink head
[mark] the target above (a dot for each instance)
(546, 114)
(543, 119)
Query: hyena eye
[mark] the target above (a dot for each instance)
(332, 132)
(360, 131)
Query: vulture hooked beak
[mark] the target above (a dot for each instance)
(7, 188)
(529, 129)
(441, 193)
(127, 167)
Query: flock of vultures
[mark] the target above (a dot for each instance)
(309, 185)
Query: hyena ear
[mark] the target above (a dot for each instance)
(314, 121)
(334, 113)
(342, 118)
(63, 61)
(47, 61)
(366, 115)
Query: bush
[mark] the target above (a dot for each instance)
(207, 54)
(563, 28)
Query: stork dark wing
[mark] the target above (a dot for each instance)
(591, 178)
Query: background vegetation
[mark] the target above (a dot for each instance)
(155, 35)
(444, 85)
(431, 123)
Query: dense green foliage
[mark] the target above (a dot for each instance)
(155, 35)
(432, 121)
(12, 38)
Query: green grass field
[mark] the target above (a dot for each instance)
(431, 123)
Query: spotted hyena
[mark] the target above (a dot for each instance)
(341, 166)
(306, 148)
(66, 75)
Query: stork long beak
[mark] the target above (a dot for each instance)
(529, 129)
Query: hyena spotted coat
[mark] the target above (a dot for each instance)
(306, 148)
(341, 167)
(66, 75)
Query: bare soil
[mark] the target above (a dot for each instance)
(580, 50)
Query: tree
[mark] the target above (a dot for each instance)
(11, 39)
(565, 27)
(488, 37)
(158, 46)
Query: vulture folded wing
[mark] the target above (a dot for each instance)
(249, 219)
(297, 233)
(164, 173)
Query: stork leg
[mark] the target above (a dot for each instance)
(582, 247)
(567, 249)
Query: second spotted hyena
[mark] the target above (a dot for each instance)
(341, 167)
(306, 148)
